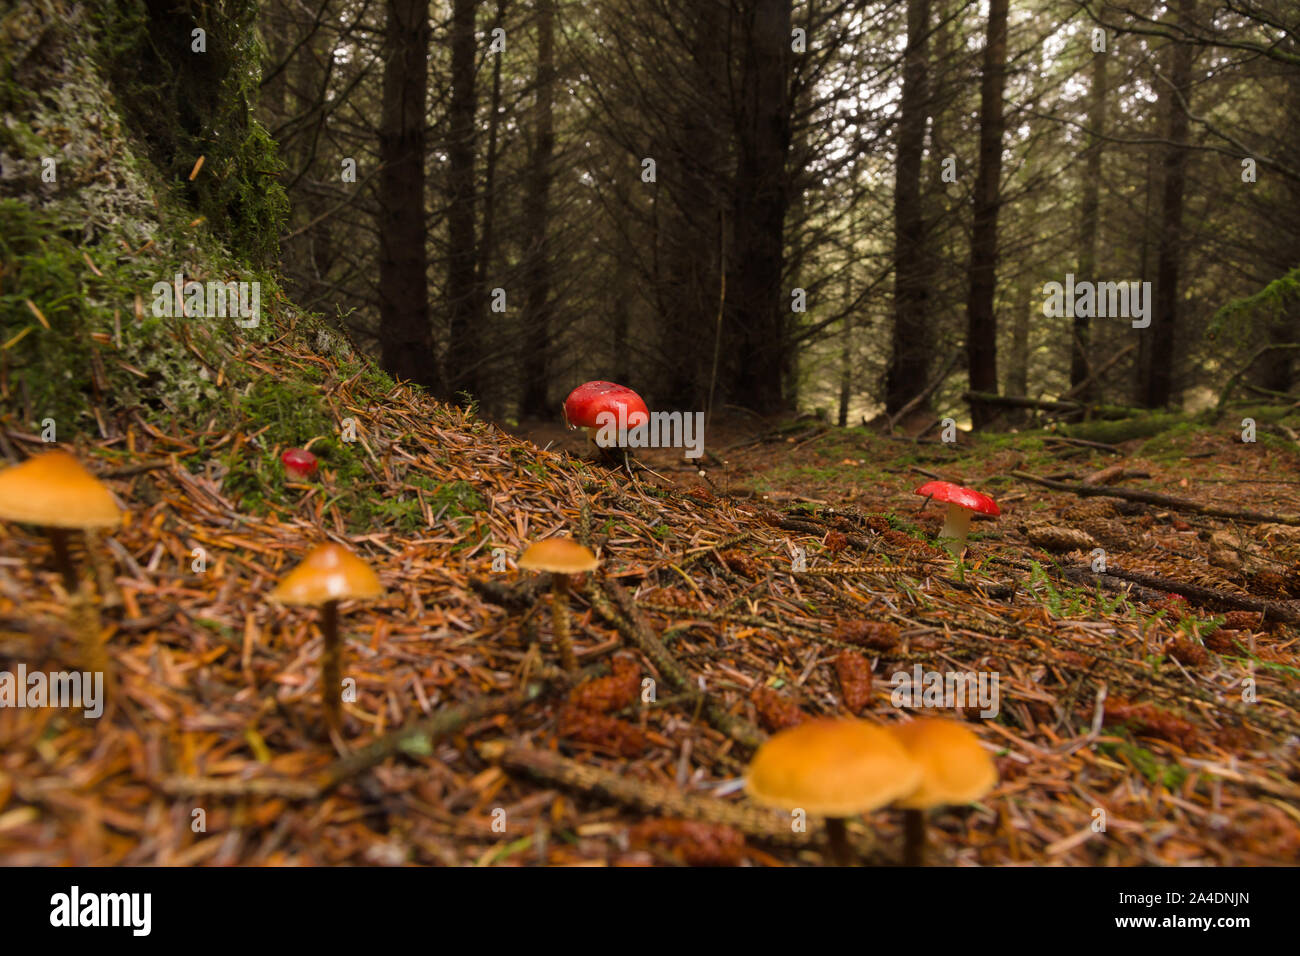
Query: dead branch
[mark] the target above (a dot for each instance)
(1163, 501)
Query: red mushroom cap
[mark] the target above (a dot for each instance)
(587, 401)
(298, 462)
(962, 497)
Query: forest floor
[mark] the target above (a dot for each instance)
(1149, 714)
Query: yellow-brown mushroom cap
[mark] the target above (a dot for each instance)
(53, 490)
(328, 573)
(954, 767)
(559, 556)
(832, 768)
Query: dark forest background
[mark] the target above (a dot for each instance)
(840, 206)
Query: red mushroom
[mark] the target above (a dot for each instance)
(589, 407)
(962, 503)
(298, 463)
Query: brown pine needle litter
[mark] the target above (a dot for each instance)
(1172, 721)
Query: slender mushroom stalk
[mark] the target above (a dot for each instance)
(955, 769)
(63, 559)
(560, 621)
(86, 624)
(834, 768)
(327, 575)
(561, 557)
(913, 837)
(837, 841)
(331, 667)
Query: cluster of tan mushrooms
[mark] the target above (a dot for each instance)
(840, 768)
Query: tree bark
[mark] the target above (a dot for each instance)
(1081, 332)
(846, 351)
(757, 305)
(406, 341)
(487, 237)
(912, 340)
(464, 295)
(1157, 357)
(981, 315)
(537, 306)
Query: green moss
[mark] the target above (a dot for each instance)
(184, 104)
(1273, 304)
(48, 370)
(288, 413)
(459, 498)
(1169, 775)
(1124, 429)
(1170, 443)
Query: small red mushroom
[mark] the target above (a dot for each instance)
(590, 406)
(962, 503)
(298, 463)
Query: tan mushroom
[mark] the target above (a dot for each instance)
(561, 557)
(329, 574)
(54, 492)
(834, 768)
(955, 769)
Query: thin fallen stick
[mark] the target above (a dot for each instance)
(418, 736)
(1155, 498)
(422, 734)
(234, 787)
(1084, 443)
(1280, 610)
(604, 597)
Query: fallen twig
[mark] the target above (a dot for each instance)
(1155, 498)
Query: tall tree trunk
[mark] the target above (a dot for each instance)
(846, 351)
(537, 306)
(464, 298)
(1018, 367)
(1157, 359)
(757, 305)
(493, 400)
(692, 177)
(406, 340)
(621, 289)
(981, 315)
(909, 361)
(1081, 331)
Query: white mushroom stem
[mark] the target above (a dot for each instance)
(956, 523)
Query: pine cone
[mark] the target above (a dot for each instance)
(1055, 538)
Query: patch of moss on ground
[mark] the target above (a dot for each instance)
(1115, 431)
(1169, 775)
(1169, 443)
